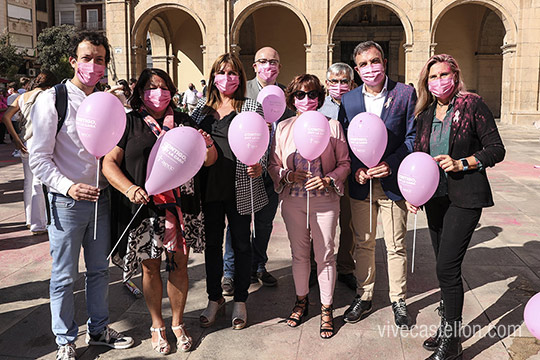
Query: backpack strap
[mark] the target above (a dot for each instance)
(61, 104)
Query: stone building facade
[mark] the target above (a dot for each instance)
(495, 42)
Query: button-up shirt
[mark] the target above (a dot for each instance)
(190, 97)
(330, 108)
(60, 160)
(374, 103)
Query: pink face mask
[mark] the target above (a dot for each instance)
(372, 74)
(267, 72)
(89, 73)
(442, 88)
(157, 99)
(337, 90)
(227, 84)
(306, 104)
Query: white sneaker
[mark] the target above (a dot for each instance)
(16, 153)
(110, 338)
(66, 352)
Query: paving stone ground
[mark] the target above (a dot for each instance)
(501, 272)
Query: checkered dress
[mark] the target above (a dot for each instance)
(242, 179)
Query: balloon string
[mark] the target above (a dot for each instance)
(96, 205)
(307, 206)
(252, 207)
(414, 242)
(126, 229)
(370, 205)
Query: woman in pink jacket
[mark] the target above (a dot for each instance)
(324, 184)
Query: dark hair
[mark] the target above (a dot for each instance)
(132, 81)
(365, 46)
(307, 80)
(203, 82)
(93, 38)
(23, 81)
(46, 79)
(125, 87)
(12, 85)
(135, 101)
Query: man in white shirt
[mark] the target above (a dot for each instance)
(394, 103)
(190, 99)
(61, 162)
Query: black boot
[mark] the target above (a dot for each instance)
(433, 341)
(450, 344)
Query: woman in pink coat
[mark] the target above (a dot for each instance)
(324, 184)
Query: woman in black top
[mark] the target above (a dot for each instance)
(226, 188)
(458, 130)
(170, 222)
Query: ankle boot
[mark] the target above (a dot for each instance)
(433, 341)
(450, 344)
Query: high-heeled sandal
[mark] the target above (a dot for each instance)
(239, 315)
(162, 346)
(210, 313)
(184, 341)
(327, 311)
(301, 305)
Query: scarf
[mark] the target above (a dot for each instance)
(168, 200)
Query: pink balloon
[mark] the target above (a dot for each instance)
(311, 133)
(531, 315)
(248, 137)
(272, 99)
(418, 178)
(174, 159)
(100, 123)
(368, 137)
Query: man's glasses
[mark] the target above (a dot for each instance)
(313, 94)
(336, 81)
(273, 62)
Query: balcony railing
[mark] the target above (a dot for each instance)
(95, 25)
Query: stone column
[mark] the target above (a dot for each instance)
(117, 31)
(508, 83)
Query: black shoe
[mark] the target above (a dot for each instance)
(227, 285)
(449, 349)
(301, 309)
(357, 310)
(433, 342)
(254, 278)
(266, 278)
(348, 279)
(401, 315)
(313, 278)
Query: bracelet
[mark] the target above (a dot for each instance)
(287, 177)
(129, 188)
(209, 146)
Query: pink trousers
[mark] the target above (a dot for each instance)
(323, 218)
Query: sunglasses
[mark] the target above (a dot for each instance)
(313, 94)
(336, 81)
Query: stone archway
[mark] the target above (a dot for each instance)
(176, 42)
(360, 22)
(272, 24)
(481, 34)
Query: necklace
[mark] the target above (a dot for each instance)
(441, 104)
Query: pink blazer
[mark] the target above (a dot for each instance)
(335, 158)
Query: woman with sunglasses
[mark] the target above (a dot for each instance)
(226, 189)
(324, 185)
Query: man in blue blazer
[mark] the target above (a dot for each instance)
(394, 103)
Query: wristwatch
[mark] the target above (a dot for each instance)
(332, 183)
(465, 164)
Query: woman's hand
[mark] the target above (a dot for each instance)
(207, 138)
(412, 209)
(317, 183)
(296, 176)
(361, 176)
(254, 171)
(137, 195)
(20, 146)
(448, 164)
(379, 171)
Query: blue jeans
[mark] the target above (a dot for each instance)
(264, 219)
(72, 226)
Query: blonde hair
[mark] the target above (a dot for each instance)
(213, 98)
(425, 98)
